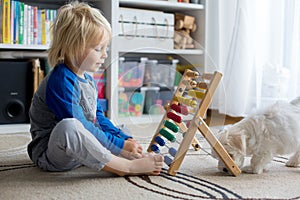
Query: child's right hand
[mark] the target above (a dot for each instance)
(132, 149)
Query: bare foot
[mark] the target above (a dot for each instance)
(149, 165)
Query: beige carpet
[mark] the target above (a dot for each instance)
(198, 178)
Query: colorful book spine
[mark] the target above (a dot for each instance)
(25, 24)
(16, 23)
(35, 25)
(6, 21)
(39, 29)
(1, 28)
(12, 16)
(29, 27)
(21, 23)
(43, 21)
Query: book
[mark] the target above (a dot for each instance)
(1, 29)
(6, 21)
(39, 27)
(43, 22)
(12, 16)
(35, 25)
(21, 23)
(16, 23)
(25, 23)
(38, 73)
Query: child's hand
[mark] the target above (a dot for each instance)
(132, 149)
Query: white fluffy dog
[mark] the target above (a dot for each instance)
(272, 131)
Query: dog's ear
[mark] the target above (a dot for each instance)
(223, 136)
(239, 141)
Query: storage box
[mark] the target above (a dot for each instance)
(100, 79)
(156, 98)
(156, 26)
(153, 104)
(145, 23)
(131, 102)
(166, 94)
(160, 73)
(131, 71)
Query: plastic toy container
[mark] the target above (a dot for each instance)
(166, 94)
(100, 79)
(160, 72)
(153, 104)
(131, 102)
(131, 71)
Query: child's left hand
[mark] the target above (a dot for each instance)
(132, 149)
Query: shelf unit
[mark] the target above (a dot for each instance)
(23, 53)
(120, 46)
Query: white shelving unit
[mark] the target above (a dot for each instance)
(120, 46)
(23, 52)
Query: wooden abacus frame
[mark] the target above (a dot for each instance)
(188, 82)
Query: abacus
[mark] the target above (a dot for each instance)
(192, 97)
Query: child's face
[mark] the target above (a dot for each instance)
(93, 57)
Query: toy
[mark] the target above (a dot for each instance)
(184, 25)
(38, 74)
(194, 101)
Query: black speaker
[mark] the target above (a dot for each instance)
(16, 89)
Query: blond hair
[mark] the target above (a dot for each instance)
(76, 26)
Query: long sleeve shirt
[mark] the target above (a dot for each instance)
(62, 94)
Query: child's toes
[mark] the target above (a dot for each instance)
(158, 158)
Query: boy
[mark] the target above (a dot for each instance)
(68, 127)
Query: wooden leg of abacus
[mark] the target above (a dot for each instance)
(218, 148)
(195, 143)
(183, 148)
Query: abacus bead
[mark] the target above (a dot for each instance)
(155, 148)
(160, 141)
(168, 160)
(166, 133)
(172, 151)
(180, 109)
(196, 94)
(170, 125)
(174, 117)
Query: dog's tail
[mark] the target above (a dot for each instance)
(296, 101)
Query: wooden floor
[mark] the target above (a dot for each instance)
(214, 118)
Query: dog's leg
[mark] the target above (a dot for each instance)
(294, 161)
(258, 163)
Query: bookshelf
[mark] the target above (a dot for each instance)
(140, 47)
(123, 47)
(24, 37)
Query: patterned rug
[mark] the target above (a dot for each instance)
(198, 178)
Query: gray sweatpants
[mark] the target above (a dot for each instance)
(70, 146)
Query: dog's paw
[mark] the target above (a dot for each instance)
(252, 170)
(248, 169)
(292, 163)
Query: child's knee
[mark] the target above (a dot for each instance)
(67, 127)
(69, 124)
